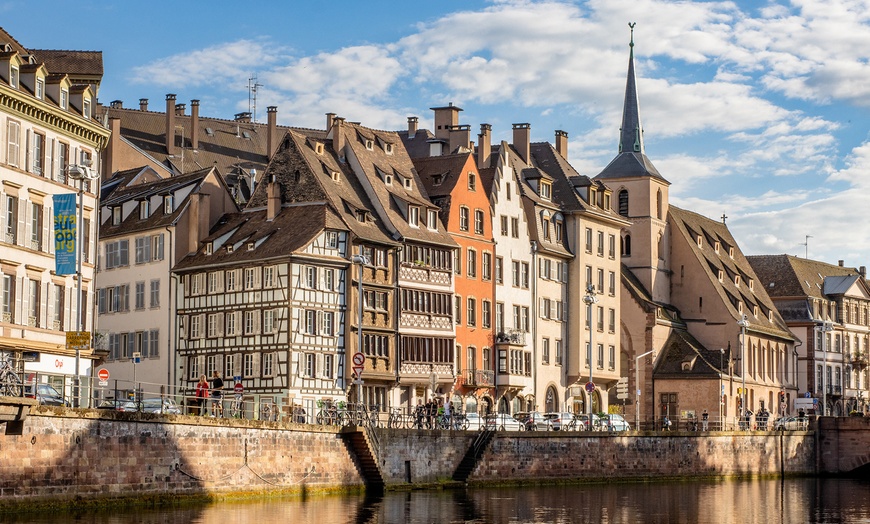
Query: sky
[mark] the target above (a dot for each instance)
(755, 110)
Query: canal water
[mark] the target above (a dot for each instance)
(721, 502)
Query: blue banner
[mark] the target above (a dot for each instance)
(65, 231)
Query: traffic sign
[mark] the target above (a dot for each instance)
(78, 339)
(137, 357)
(103, 374)
(358, 370)
(358, 359)
(590, 387)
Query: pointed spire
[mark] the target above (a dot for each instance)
(631, 132)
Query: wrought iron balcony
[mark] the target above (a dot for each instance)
(514, 337)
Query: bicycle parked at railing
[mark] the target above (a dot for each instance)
(236, 408)
(399, 420)
(330, 413)
(10, 382)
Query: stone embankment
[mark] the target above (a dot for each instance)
(73, 455)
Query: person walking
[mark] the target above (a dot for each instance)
(200, 402)
(217, 393)
(704, 420)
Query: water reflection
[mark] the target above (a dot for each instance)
(751, 501)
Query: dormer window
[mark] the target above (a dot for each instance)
(432, 219)
(167, 205)
(507, 188)
(716, 247)
(755, 311)
(318, 148)
(751, 285)
(64, 99)
(116, 215)
(593, 196)
(736, 280)
(472, 181)
(721, 275)
(209, 247)
(40, 88)
(370, 144)
(336, 176)
(407, 183)
(86, 108)
(251, 246)
(546, 190)
(437, 179)
(361, 215)
(731, 252)
(607, 201)
(13, 77)
(388, 180)
(144, 209)
(414, 216)
(388, 149)
(701, 242)
(230, 248)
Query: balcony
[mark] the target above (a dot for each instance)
(514, 367)
(511, 337)
(480, 378)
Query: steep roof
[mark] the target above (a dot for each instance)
(683, 356)
(439, 174)
(791, 276)
(690, 227)
(76, 64)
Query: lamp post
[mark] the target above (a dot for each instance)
(362, 260)
(637, 383)
(743, 323)
(824, 328)
(80, 172)
(590, 299)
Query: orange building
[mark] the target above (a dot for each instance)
(453, 182)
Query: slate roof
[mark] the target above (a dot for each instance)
(290, 231)
(297, 153)
(688, 225)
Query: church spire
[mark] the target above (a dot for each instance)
(631, 132)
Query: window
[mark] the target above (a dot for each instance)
(457, 261)
(515, 271)
(116, 215)
(471, 317)
(588, 240)
(478, 221)
(472, 263)
(328, 366)
(35, 226)
(472, 181)
(11, 219)
(269, 277)
(486, 314)
(557, 228)
(33, 312)
(311, 277)
(504, 225)
(252, 278)
(622, 202)
(600, 281)
(457, 309)
(13, 131)
(515, 227)
(213, 325)
(329, 279)
(155, 293)
(13, 77)
(600, 356)
(168, 206)
(432, 219)
(196, 326)
(611, 285)
(414, 216)
(232, 280)
(546, 190)
(269, 364)
(499, 317)
(611, 357)
(8, 298)
(558, 352)
(611, 322)
(486, 266)
(545, 351)
(64, 99)
(525, 274)
(232, 324)
(309, 365)
(117, 254)
(328, 323)
(143, 250)
(140, 295)
(499, 270)
(310, 322)
(144, 209)
(86, 108)
(601, 243)
(40, 88)
(269, 325)
(59, 292)
(463, 218)
(37, 153)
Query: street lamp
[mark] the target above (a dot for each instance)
(637, 383)
(743, 323)
(590, 299)
(362, 260)
(80, 172)
(824, 328)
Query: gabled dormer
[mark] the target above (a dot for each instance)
(81, 100)
(10, 66)
(57, 89)
(33, 79)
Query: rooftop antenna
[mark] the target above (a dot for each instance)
(252, 96)
(806, 244)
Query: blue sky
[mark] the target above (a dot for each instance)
(755, 110)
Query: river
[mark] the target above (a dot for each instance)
(804, 500)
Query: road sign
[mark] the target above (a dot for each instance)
(358, 359)
(103, 374)
(622, 396)
(804, 403)
(590, 387)
(78, 339)
(358, 370)
(137, 357)
(807, 395)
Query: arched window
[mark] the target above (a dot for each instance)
(661, 246)
(623, 202)
(551, 402)
(626, 245)
(659, 204)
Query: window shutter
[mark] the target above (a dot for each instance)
(219, 321)
(258, 277)
(50, 291)
(541, 307)
(28, 154)
(564, 272)
(564, 311)
(187, 284)
(256, 364)
(28, 224)
(200, 365)
(25, 301)
(237, 365)
(257, 322)
(125, 255)
(131, 344)
(318, 366)
(22, 214)
(44, 319)
(47, 239)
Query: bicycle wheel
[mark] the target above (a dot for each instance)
(13, 385)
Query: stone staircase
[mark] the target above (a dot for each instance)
(472, 456)
(363, 443)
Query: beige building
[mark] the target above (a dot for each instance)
(685, 287)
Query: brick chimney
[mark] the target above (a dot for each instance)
(329, 118)
(562, 143)
(114, 145)
(338, 137)
(143, 104)
(194, 124)
(484, 146)
(460, 136)
(116, 104)
(179, 109)
(170, 124)
(522, 141)
(445, 119)
(199, 216)
(412, 126)
(271, 130)
(863, 271)
(244, 117)
(273, 195)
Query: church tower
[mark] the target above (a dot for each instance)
(641, 196)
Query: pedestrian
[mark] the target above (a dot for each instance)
(448, 415)
(217, 393)
(666, 423)
(704, 418)
(199, 403)
(419, 414)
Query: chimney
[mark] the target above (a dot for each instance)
(271, 130)
(143, 104)
(273, 194)
(522, 141)
(244, 117)
(863, 271)
(460, 136)
(170, 124)
(338, 137)
(112, 149)
(117, 104)
(329, 118)
(840, 263)
(445, 119)
(179, 109)
(199, 220)
(562, 143)
(484, 146)
(194, 124)
(412, 126)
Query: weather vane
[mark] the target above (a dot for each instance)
(631, 25)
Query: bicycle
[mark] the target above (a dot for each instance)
(236, 410)
(397, 419)
(10, 382)
(329, 414)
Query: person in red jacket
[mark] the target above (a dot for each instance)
(201, 396)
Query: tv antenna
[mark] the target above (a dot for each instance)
(806, 244)
(253, 85)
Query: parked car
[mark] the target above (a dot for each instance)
(791, 424)
(158, 405)
(503, 422)
(534, 421)
(45, 394)
(472, 422)
(117, 404)
(615, 423)
(563, 421)
(583, 423)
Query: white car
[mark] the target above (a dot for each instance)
(614, 423)
(503, 422)
(472, 422)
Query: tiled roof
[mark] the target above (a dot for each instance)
(417, 147)
(72, 63)
(791, 276)
(255, 238)
(682, 356)
(447, 169)
(689, 226)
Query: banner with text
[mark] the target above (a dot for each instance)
(65, 234)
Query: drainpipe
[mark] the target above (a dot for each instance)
(535, 313)
(171, 371)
